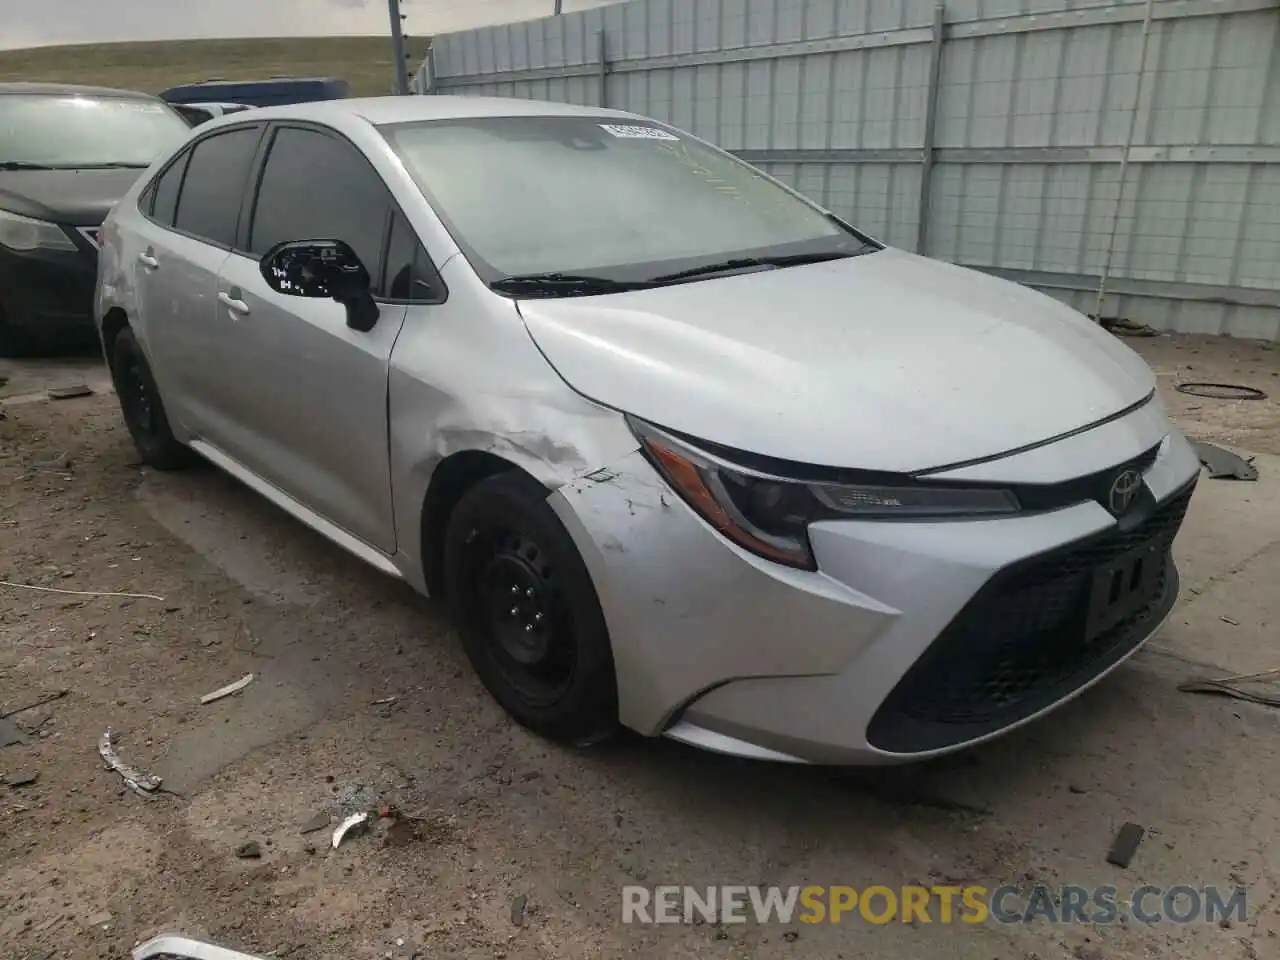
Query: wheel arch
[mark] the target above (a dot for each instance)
(450, 480)
(113, 322)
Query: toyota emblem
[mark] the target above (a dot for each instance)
(1124, 489)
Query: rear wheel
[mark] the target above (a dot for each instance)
(142, 407)
(527, 611)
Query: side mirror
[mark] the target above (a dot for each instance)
(323, 269)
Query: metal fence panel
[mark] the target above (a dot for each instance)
(1049, 149)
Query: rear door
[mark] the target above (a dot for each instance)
(193, 210)
(311, 393)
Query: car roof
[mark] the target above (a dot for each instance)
(407, 109)
(69, 90)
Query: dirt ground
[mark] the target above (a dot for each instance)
(87, 868)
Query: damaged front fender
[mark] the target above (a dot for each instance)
(686, 609)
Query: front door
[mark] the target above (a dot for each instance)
(307, 394)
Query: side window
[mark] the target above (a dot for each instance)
(217, 171)
(317, 187)
(164, 192)
(410, 274)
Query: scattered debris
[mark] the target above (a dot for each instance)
(24, 778)
(1221, 391)
(517, 910)
(228, 690)
(80, 593)
(1125, 845)
(1075, 788)
(352, 799)
(385, 701)
(143, 784)
(70, 391)
(249, 851)
(318, 822)
(61, 462)
(1231, 687)
(1234, 623)
(100, 919)
(10, 735)
(791, 936)
(355, 825)
(31, 706)
(1223, 463)
(1126, 328)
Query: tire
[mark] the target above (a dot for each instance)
(527, 611)
(142, 408)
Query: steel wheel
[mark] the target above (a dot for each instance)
(527, 611)
(530, 637)
(136, 397)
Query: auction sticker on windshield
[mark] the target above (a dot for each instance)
(631, 131)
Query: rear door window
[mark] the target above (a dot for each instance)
(316, 186)
(212, 191)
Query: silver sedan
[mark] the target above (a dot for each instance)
(684, 451)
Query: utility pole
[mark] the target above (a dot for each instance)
(397, 47)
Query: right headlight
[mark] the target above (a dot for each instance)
(26, 234)
(770, 515)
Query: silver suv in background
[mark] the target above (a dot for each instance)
(683, 450)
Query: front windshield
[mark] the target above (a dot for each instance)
(66, 132)
(594, 195)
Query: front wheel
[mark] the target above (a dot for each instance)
(142, 408)
(527, 611)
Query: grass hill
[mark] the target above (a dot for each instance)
(365, 62)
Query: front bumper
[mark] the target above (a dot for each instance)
(911, 640)
(47, 296)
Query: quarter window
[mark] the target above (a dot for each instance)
(209, 205)
(317, 187)
(165, 192)
(410, 275)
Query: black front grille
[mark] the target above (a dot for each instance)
(1022, 642)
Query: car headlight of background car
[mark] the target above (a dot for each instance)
(770, 515)
(27, 234)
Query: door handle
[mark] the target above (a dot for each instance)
(148, 261)
(232, 304)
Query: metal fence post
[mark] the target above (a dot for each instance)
(930, 125)
(604, 69)
(1124, 165)
(397, 47)
(427, 72)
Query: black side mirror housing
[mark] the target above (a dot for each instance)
(323, 269)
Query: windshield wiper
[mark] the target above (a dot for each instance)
(742, 263)
(562, 284)
(109, 165)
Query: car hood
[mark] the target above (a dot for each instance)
(887, 361)
(80, 198)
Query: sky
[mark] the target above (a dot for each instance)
(32, 23)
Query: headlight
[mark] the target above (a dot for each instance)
(770, 515)
(24, 233)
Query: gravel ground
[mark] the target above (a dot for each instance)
(361, 698)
